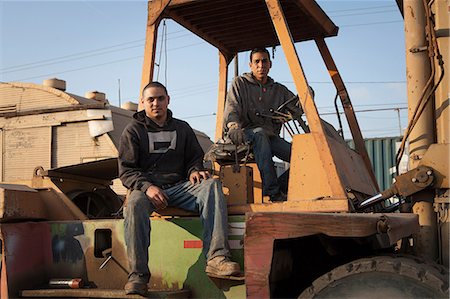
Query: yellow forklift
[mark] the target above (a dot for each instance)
(337, 235)
(333, 195)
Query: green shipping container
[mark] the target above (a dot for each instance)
(382, 152)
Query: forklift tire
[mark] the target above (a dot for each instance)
(382, 277)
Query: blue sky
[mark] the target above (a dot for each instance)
(95, 44)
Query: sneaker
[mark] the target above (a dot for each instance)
(278, 197)
(222, 266)
(139, 288)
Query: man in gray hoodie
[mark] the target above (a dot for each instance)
(251, 99)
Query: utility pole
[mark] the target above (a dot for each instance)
(120, 100)
(236, 65)
(399, 121)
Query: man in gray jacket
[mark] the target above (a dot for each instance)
(251, 99)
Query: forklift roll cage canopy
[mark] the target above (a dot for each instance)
(234, 26)
(230, 25)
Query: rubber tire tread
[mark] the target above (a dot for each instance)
(429, 273)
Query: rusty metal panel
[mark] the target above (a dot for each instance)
(72, 144)
(307, 177)
(22, 267)
(38, 251)
(310, 179)
(237, 185)
(24, 150)
(354, 174)
(19, 202)
(262, 229)
(437, 157)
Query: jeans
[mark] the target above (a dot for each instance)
(205, 198)
(264, 148)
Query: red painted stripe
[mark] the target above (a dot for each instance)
(193, 244)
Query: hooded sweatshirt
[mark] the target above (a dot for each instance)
(153, 155)
(249, 103)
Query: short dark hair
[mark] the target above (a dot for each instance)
(259, 50)
(154, 84)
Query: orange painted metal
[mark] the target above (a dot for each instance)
(308, 104)
(155, 9)
(348, 108)
(223, 77)
(149, 57)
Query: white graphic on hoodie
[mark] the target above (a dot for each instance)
(161, 142)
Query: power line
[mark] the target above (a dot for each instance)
(201, 115)
(364, 8)
(360, 14)
(89, 53)
(56, 61)
(366, 105)
(351, 82)
(74, 56)
(321, 114)
(375, 23)
(78, 69)
(97, 65)
(67, 56)
(367, 110)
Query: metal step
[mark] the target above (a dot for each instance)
(101, 293)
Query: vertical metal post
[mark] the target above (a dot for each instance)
(418, 74)
(308, 104)
(442, 94)
(399, 122)
(236, 65)
(223, 77)
(442, 99)
(120, 99)
(155, 9)
(2, 154)
(149, 58)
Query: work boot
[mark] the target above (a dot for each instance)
(134, 287)
(222, 266)
(278, 197)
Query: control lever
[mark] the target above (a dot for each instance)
(405, 185)
(108, 254)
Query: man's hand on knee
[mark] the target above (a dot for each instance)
(198, 176)
(157, 197)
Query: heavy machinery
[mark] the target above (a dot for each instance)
(335, 236)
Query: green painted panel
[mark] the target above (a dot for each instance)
(176, 259)
(174, 265)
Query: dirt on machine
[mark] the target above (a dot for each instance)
(336, 236)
